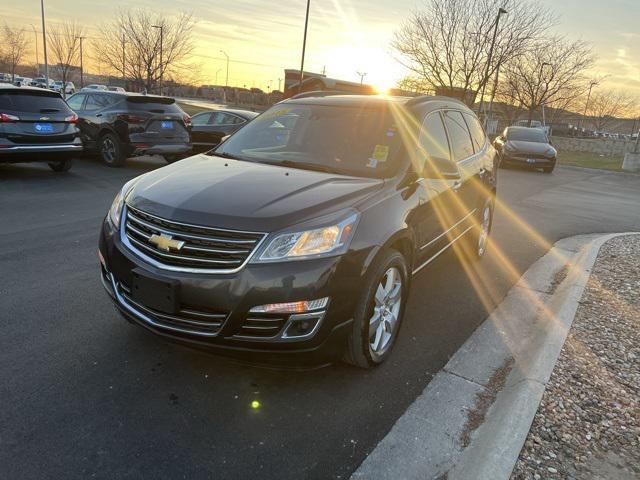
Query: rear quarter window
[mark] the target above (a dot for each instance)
(31, 102)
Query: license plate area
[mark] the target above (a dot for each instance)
(43, 127)
(166, 124)
(153, 292)
(531, 160)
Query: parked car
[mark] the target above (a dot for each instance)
(121, 125)
(69, 90)
(116, 89)
(36, 125)
(93, 87)
(21, 81)
(41, 82)
(527, 147)
(298, 236)
(210, 127)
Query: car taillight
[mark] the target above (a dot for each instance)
(71, 118)
(125, 117)
(187, 120)
(6, 118)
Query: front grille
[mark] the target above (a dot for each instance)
(525, 156)
(188, 319)
(262, 326)
(204, 248)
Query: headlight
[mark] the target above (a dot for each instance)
(310, 243)
(118, 203)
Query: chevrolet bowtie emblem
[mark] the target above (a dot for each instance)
(44, 118)
(166, 242)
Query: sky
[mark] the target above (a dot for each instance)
(345, 37)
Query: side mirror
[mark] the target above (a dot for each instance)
(439, 169)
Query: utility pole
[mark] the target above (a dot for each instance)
(44, 41)
(362, 75)
(81, 65)
(304, 46)
(592, 84)
(35, 33)
(501, 11)
(161, 27)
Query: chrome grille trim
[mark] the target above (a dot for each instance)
(202, 253)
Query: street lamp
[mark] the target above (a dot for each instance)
(362, 75)
(161, 27)
(592, 84)
(81, 65)
(304, 45)
(226, 83)
(37, 61)
(501, 11)
(44, 41)
(546, 85)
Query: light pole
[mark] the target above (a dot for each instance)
(217, 72)
(544, 64)
(362, 75)
(161, 27)
(279, 82)
(304, 46)
(501, 11)
(81, 64)
(592, 84)
(226, 83)
(44, 41)
(37, 61)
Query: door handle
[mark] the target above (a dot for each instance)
(456, 185)
(98, 115)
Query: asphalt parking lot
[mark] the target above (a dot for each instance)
(86, 395)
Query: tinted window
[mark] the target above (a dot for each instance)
(201, 119)
(433, 138)
(31, 102)
(96, 101)
(75, 102)
(523, 134)
(153, 104)
(477, 132)
(361, 141)
(221, 118)
(458, 135)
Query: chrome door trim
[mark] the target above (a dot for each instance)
(444, 233)
(440, 251)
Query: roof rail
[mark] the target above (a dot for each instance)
(320, 94)
(426, 98)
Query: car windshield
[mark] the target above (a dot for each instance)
(359, 141)
(526, 135)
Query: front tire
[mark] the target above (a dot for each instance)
(111, 150)
(61, 165)
(379, 312)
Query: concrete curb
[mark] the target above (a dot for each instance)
(472, 419)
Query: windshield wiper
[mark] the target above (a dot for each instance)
(306, 166)
(224, 155)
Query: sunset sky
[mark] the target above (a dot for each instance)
(345, 36)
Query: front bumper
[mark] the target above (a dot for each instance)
(234, 295)
(524, 160)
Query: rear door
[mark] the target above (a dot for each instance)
(35, 117)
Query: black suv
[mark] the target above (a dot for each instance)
(120, 125)
(298, 236)
(37, 126)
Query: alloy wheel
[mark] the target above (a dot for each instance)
(386, 312)
(108, 150)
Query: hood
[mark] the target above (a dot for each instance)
(239, 195)
(521, 147)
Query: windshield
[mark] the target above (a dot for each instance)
(526, 135)
(341, 139)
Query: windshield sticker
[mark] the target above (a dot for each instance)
(380, 153)
(373, 163)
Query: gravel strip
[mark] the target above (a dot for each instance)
(588, 423)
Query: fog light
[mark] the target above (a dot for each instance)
(292, 307)
(300, 326)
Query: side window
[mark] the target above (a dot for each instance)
(459, 136)
(201, 119)
(477, 132)
(75, 102)
(433, 139)
(221, 118)
(238, 120)
(95, 101)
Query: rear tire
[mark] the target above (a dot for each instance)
(474, 243)
(379, 312)
(61, 166)
(111, 150)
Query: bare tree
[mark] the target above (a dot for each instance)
(15, 47)
(130, 45)
(446, 44)
(64, 45)
(550, 73)
(606, 106)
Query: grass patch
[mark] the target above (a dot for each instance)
(591, 160)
